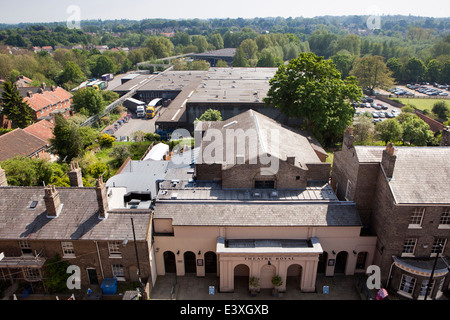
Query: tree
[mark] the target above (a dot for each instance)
(55, 274)
(417, 132)
(267, 59)
(14, 108)
(72, 73)
(67, 141)
(363, 127)
(389, 130)
(28, 172)
(441, 110)
(210, 115)
(433, 70)
(396, 67)
(249, 49)
(372, 72)
(343, 61)
(88, 101)
(415, 70)
(103, 65)
(311, 88)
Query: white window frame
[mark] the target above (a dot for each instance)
(444, 221)
(416, 218)
(118, 272)
(423, 289)
(67, 249)
(435, 247)
(25, 245)
(409, 283)
(114, 249)
(32, 274)
(407, 244)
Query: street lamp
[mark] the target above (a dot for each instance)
(432, 271)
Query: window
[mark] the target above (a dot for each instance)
(416, 218)
(264, 184)
(25, 247)
(444, 222)
(68, 251)
(409, 247)
(438, 246)
(117, 270)
(32, 274)
(348, 191)
(114, 249)
(423, 288)
(361, 260)
(407, 285)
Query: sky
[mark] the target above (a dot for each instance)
(63, 10)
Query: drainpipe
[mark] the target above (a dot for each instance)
(389, 276)
(99, 260)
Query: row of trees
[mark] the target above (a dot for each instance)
(406, 129)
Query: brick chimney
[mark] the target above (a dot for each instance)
(52, 202)
(348, 138)
(75, 176)
(388, 160)
(102, 199)
(3, 181)
(445, 139)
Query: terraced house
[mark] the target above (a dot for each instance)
(403, 196)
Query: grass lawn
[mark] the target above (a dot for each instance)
(421, 104)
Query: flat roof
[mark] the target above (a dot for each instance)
(234, 85)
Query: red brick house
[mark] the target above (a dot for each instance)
(46, 102)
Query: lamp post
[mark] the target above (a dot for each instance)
(432, 271)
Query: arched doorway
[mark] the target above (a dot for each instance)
(210, 262)
(294, 277)
(189, 262)
(169, 262)
(267, 273)
(341, 262)
(241, 278)
(322, 265)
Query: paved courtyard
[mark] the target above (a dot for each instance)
(190, 287)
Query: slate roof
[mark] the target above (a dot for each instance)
(265, 135)
(78, 219)
(421, 174)
(19, 142)
(258, 214)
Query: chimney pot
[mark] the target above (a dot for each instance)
(388, 160)
(102, 199)
(3, 180)
(75, 175)
(52, 201)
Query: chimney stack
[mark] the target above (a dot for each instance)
(388, 160)
(348, 138)
(102, 199)
(3, 180)
(75, 177)
(52, 202)
(445, 139)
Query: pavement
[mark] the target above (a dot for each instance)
(191, 287)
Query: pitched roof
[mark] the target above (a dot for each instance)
(420, 173)
(19, 142)
(258, 214)
(42, 129)
(78, 219)
(47, 98)
(265, 135)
